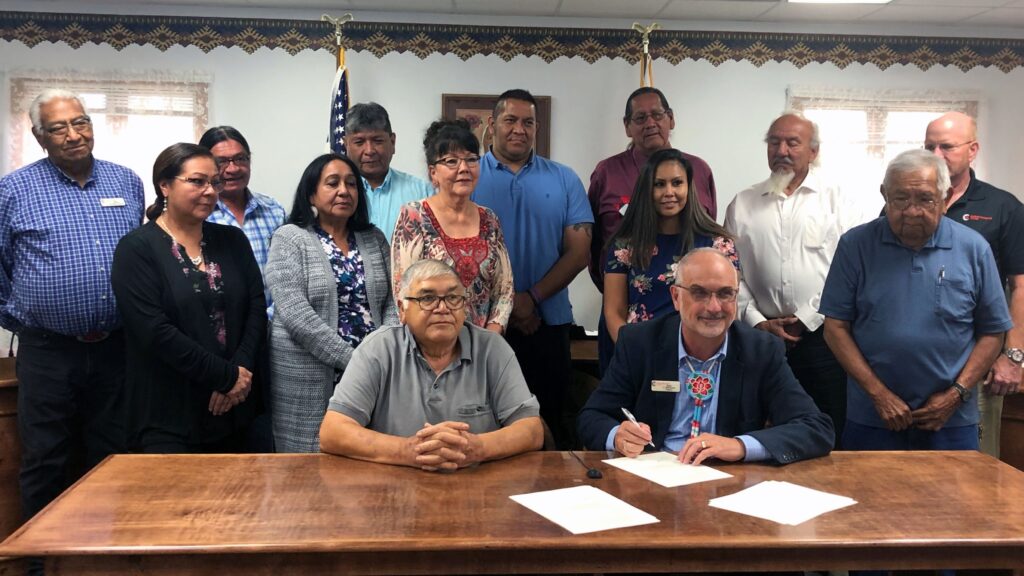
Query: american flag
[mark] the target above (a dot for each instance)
(339, 108)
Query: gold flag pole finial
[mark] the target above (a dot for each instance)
(646, 63)
(338, 23)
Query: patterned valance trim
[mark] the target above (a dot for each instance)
(590, 44)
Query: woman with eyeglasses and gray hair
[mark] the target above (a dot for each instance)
(451, 228)
(191, 297)
(329, 273)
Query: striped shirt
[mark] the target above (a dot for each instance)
(57, 242)
(263, 215)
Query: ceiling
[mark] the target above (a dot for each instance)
(946, 13)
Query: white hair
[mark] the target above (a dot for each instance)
(814, 143)
(45, 97)
(422, 270)
(916, 160)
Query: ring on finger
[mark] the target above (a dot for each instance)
(703, 445)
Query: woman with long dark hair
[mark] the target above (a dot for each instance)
(659, 227)
(191, 296)
(329, 273)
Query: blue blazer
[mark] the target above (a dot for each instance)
(758, 394)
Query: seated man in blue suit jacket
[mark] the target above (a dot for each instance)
(750, 407)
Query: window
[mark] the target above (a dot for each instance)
(862, 130)
(133, 119)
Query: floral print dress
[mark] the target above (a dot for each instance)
(208, 286)
(354, 319)
(648, 290)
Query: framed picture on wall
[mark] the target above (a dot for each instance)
(477, 108)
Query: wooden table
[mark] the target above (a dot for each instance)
(306, 514)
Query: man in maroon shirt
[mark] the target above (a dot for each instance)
(648, 122)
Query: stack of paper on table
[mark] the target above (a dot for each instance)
(665, 468)
(781, 502)
(584, 509)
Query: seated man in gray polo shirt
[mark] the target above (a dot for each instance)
(435, 393)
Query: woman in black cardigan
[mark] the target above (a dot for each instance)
(191, 298)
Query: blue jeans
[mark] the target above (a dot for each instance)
(860, 437)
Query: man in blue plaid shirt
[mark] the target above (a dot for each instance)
(60, 220)
(257, 215)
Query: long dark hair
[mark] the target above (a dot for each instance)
(219, 134)
(639, 226)
(168, 165)
(302, 208)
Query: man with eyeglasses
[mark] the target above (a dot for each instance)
(436, 393)
(60, 220)
(371, 144)
(786, 229)
(648, 122)
(999, 217)
(915, 313)
(547, 224)
(701, 384)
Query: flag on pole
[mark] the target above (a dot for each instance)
(339, 109)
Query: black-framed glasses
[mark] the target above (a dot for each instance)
(80, 124)
(453, 163)
(641, 118)
(240, 160)
(947, 147)
(902, 204)
(701, 294)
(203, 183)
(430, 301)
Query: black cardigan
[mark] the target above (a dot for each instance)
(174, 362)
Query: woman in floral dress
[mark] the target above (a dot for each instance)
(659, 227)
(450, 227)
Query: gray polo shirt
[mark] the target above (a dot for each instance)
(389, 387)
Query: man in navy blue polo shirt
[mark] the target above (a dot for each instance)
(60, 220)
(999, 217)
(547, 223)
(915, 313)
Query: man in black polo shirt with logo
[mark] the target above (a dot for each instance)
(999, 217)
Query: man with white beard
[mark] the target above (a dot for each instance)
(786, 230)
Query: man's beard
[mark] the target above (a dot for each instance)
(779, 180)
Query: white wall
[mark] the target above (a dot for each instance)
(280, 103)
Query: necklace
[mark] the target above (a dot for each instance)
(198, 260)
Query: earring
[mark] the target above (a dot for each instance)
(316, 213)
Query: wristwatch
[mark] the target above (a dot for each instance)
(1016, 355)
(964, 393)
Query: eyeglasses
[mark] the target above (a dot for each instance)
(430, 301)
(80, 124)
(641, 118)
(203, 183)
(241, 160)
(902, 204)
(453, 162)
(700, 294)
(947, 147)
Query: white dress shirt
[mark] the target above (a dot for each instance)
(786, 244)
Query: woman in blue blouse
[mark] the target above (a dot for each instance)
(659, 227)
(328, 272)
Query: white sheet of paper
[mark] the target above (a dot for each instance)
(665, 468)
(583, 509)
(781, 502)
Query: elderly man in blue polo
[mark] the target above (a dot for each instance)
(915, 313)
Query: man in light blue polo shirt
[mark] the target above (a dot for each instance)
(547, 223)
(915, 313)
(371, 144)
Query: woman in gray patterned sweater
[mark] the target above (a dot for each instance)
(328, 273)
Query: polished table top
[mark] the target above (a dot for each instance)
(277, 512)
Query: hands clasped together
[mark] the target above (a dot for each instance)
(445, 446)
(220, 402)
(630, 440)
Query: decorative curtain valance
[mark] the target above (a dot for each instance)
(507, 42)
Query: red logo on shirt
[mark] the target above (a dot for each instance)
(975, 218)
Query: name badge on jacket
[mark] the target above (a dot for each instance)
(111, 202)
(664, 386)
